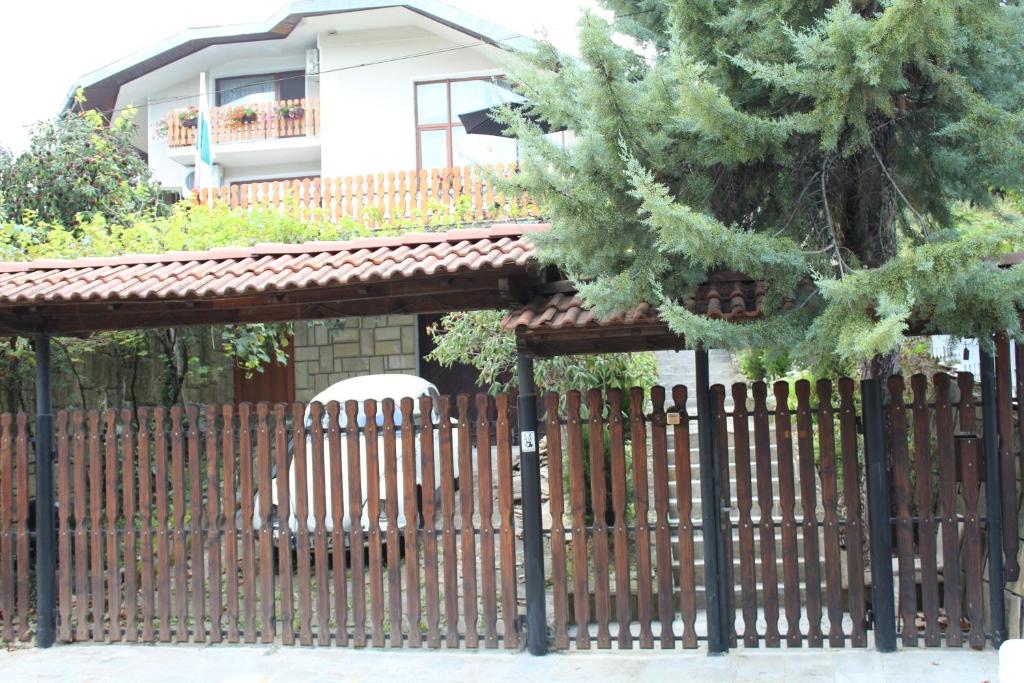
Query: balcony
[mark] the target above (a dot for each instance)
(386, 201)
(287, 129)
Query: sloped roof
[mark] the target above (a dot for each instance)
(427, 272)
(102, 85)
(264, 268)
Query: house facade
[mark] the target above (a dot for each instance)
(325, 94)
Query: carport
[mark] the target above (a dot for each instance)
(493, 268)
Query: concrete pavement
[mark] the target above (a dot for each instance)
(270, 664)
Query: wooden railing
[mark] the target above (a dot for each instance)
(437, 196)
(269, 120)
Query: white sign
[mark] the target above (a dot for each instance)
(528, 442)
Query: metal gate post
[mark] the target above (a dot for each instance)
(710, 503)
(533, 545)
(882, 597)
(993, 497)
(46, 577)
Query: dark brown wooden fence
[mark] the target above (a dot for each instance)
(173, 523)
(168, 532)
(628, 568)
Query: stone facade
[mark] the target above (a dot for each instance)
(329, 352)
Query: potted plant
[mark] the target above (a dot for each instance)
(188, 117)
(290, 112)
(243, 114)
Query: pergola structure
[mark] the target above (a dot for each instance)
(488, 268)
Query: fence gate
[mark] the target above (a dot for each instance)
(173, 525)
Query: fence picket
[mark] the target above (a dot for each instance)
(195, 492)
(830, 503)
(787, 501)
(286, 599)
(265, 535)
(212, 528)
(319, 468)
(766, 525)
(145, 512)
(96, 526)
(448, 540)
(7, 552)
(21, 489)
(130, 550)
(466, 524)
(970, 468)
(620, 537)
(230, 524)
(744, 502)
(1008, 468)
(556, 503)
(642, 530)
(430, 587)
(904, 523)
(180, 603)
(808, 502)
(392, 535)
(507, 532)
(302, 541)
(851, 499)
(925, 498)
(373, 535)
(63, 529)
(662, 533)
(578, 506)
(246, 459)
(412, 523)
(951, 590)
(598, 479)
(338, 503)
(684, 494)
(356, 544)
(163, 529)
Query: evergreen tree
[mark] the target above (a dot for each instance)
(830, 149)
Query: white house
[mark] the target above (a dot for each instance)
(328, 90)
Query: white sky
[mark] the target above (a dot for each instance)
(48, 45)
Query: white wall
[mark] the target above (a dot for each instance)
(367, 119)
(168, 173)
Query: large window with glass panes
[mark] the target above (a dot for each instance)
(441, 141)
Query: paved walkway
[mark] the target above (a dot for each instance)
(269, 664)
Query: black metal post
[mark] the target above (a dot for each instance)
(882, 596)
(710, 499)
(533, 545)
(993, 497)
(46, 575)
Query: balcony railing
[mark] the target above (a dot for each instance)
(266, 121)
(440, 196)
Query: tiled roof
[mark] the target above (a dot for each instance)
(727, 296)
(264, 269)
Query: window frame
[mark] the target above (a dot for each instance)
(275, 77)
(447, 126)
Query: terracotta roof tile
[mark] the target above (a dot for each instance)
(725, 297)
(263, 268)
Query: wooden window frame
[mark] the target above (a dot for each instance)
(447, 127)
(275, 77)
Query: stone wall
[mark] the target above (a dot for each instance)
(326, 353)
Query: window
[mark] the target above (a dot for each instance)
(441, 141)
(261, 88)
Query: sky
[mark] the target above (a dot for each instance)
(48, 45)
